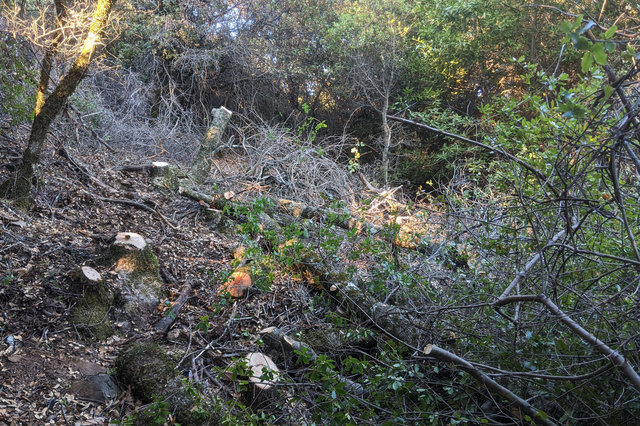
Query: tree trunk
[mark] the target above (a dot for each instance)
(18, 187)
(386, 144)
(202, 164)
(47, 61)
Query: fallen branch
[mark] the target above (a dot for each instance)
(278, 339)
(167, 321)
(84, 170)
(133, 204)
(93, 132)
(134, 168)
(492, 385)
(530, 264)
(617, 359)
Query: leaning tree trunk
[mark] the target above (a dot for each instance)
(18, 187)
(47, 61)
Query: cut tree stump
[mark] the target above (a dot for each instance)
(91, 313)
(138, 274)
(88, 275)
(264, 377)
(202, 165)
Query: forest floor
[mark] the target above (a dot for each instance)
(43, 375)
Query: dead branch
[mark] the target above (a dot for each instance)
(133, 204)
(278, 339)
(492, 385)
(93, 132)
(135, 168)
(543, 178)
(617, 359)
(165, 323)
(530, 264)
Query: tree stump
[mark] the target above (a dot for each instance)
(202, 164)
(91, 313)
(138, 274)
(264, 376)
(149, 371)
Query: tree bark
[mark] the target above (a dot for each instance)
(202, 164)
(386, 143)
(47, 62)
(18, 187)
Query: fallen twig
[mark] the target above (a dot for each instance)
(163, 325)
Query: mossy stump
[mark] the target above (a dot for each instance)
(151, 375)
(91, 313)
(166, 176)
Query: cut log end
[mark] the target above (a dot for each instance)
(130, 240)
(88, 274)
(261, 366)
(428, 349)
(238, 283)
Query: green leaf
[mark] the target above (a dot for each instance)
(542, 415)
(598, 54)
(565, 27)
(587, 62)
(574, 38)
(608, 90)
(610, 32)
(609, 46)
(583, 43)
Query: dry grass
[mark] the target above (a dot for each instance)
(295, 166)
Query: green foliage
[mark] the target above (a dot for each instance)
(157, 412)
(594, 51)
(6, 280)
(18, 82)
(311, 126)
(435, 160)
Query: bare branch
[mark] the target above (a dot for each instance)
(617, 359)
(544, 179)
(492, 385)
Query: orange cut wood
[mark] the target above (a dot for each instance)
(237, 284)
